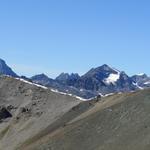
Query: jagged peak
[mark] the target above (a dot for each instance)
(42, 75)
(104, 69)
(67, 76)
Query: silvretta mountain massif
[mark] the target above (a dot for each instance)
(104, 109)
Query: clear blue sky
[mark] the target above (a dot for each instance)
(54, 36)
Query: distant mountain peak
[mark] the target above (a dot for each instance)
(108, 68)
(40, 76)
(6, 70)
(67, 76)
(101, 72)
(63, 76)
(141, 75)
(105, 66)
(141, 79)
(43, 75)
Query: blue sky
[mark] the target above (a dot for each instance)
(54, 36)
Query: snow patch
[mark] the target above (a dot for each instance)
(53, 90)
(109, 94)
(112, 78)
(140, 74)
(137, 85)
(81, 90)
(101, 94)
(148, 82)
(119, 93)
(62, 93)
(25, 81)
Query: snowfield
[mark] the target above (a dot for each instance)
(112, 78)
(148, 82)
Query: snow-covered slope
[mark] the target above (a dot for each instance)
(112, 78)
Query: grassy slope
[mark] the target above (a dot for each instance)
(119, 122)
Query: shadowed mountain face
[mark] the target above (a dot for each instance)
(118, 122)
(102, 80)
(142, 80)
(70, 80)
(106, 80)
(4, 69)
(43, 79)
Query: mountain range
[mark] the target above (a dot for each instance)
(37, 117)
(102, 80)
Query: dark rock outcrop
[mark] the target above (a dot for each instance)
(4, 113)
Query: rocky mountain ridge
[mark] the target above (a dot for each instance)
(97, 81)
